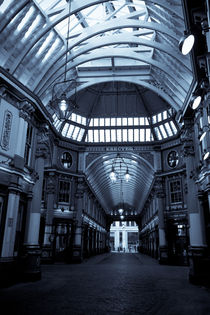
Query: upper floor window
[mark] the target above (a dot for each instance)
(64, 191)
(175, 191)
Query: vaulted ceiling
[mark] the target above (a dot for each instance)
(131, 45)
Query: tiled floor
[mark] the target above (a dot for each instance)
(115, 283)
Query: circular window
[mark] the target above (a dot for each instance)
(173, 159)
(66, 160)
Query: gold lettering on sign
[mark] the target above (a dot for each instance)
(6, 130)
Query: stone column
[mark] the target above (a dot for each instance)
(11, 220)
(32, 247)
(47, 250)
(197, 247)
(160, 195)
(79, 205)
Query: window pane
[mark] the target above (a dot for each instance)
(70, 131)
(80, 135)
(90, 135)
(101, 122)
(102, 135)
(136, 134)
(165, 114)
(107, 134)
(91, 122)
(158, 133)
(84, 121)
(112, 121)
(136, 121)
(125, 135)
(148, 134)
(65, 129)
(79, 119)
(146, 121)
(96, 135)
(124, 121)
(73, 117)
(162, 129)
(154, 119)
(173, 127)
(130, 135)
(142, 135)
(168, 129)
(75, 133)
(159, 117)
(107, 121)
(119, 135)
(113, 135)
(142, 121)
(119, 122)
(130, 121)
(95, 122)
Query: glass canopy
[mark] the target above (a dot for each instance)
(129, 41)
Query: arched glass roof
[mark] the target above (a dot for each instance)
(131, 78)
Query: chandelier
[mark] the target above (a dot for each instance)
(119, 170)
(61, 104)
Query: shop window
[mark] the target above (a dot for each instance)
(64, 191)
(175, 191)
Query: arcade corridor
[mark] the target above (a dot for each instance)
(109, 284)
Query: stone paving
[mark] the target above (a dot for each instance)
(115, 283)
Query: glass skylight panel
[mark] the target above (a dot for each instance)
(130, 121)
(136, 121)
(162, 129)
(159, 117)
(91, 122)
(107, 135)
(90, 135)
(65, 129)
(32, 27)
(5, 5)
(124, 121)
(95, 122)
(101, 134)
(73, 117)
(130, 135)
(146, 121)
(25, 19)
(96, 135)
(165, 114)
(113, 135)
(173, 126)
(141, 121)
(125, 135)
(101, 122)
(119, 135)
(142, 135)
(84, 121)
(52, 48)
(154, 119)
(113, 121)
(119, 121)
(157, 131)
(79, 119)
(136, 135)
(45, 43)
(70, 131)
(81, 133)
(148, 134)
(107, 122)
(168, 129)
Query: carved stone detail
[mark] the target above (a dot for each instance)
(6, 130)
(187, 138)
(26, 109)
